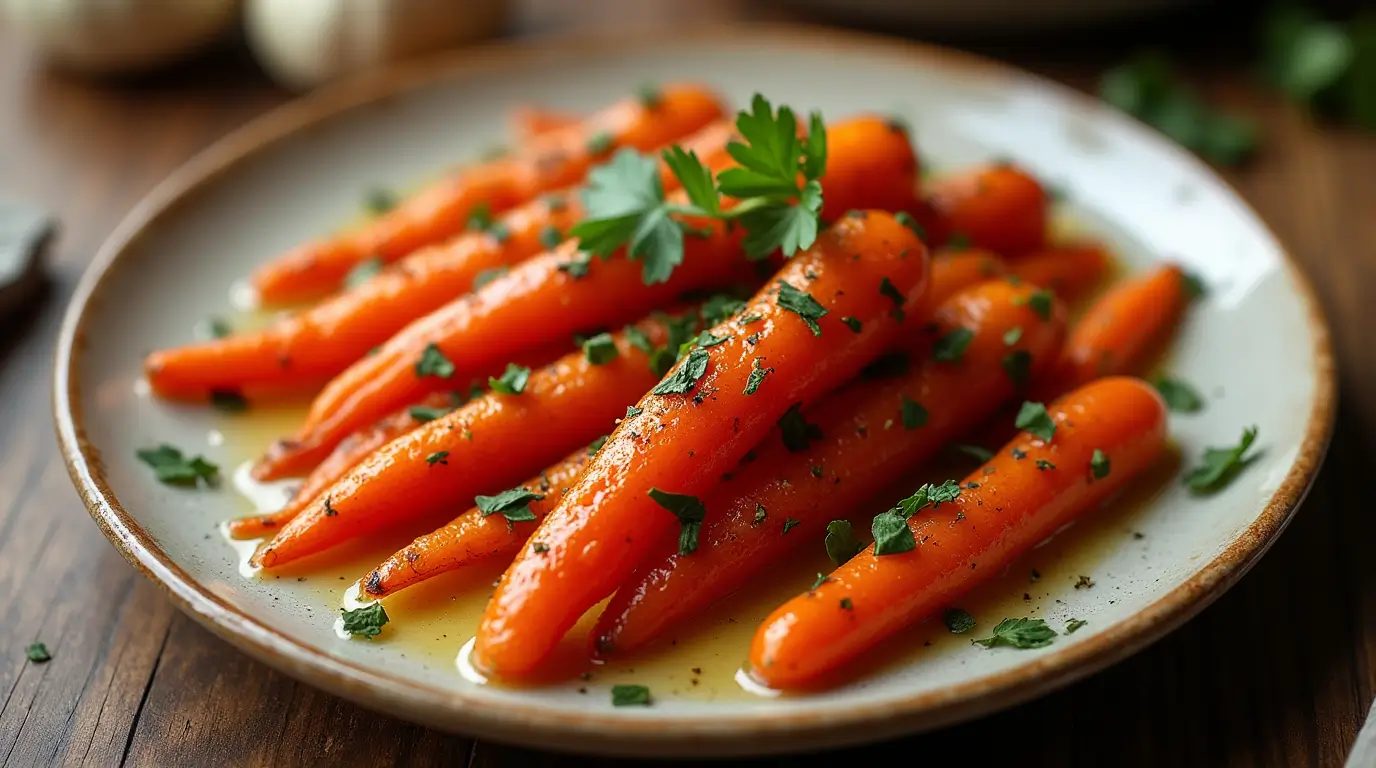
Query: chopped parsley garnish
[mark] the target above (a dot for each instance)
(1221, 465)
(719, 307)
(756, 378)
(366, 621)
(488, 275)
(1043, 465)
(978, 453)
(1179, 395)
(694, 367)
(172, 467)
(1099, 465)
(1195, 286)
(597, 444)
(907, 220)
(330, 511)
(914, 415)
(228, 401)
(846, 604)
(432, 362)
(822, 578)
(551, 237)
(626, 204)
(363, 272)
(600, 142)
(1012, 336)
(1034, 418)
(438, 457)
(928, 494)
(950, 347)
(648, 95)
(1018, 453)
(512, 381)
(958, 620)
(891, 534)
(1074, 624)
(789, 523)
(577, 267)
(689, 511)
(760, 513)
(706, 339)
(638, 339)
(803, 305)
(891, 292)
(840, 542)
(1019, 633)
(855, 325)
(513, 504)
(555, 202)
(37, 653)
(215, 327)
(1018, 366)
(1040, 302)
(630, 696)
(796, 430)
(480, 219)
(600, 349)
(632, 411)
(379, 200)
(426, 413)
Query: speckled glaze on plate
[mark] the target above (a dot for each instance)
(299, 170)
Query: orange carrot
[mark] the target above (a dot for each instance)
(1120, 328)
(998, 207)
(953, 272)
(1070, 271)
(1027, 492)
(474, 537)
(545, 298)
(484, 446)
(529, 121)
(845, 294)
(307, 349)
(465, 541)
(550, 161)
(873, 434)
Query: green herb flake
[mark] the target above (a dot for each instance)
(889, 291)
(797, 432)
(329, 509)
(379, 200)
(214, 327)
(760, 513)
(551, 237)
(228, 401)
(1041, 302)
(1017, 365)
(513, 504)
(630, 696)
(632, 411)
(690, 513)
(978, 453)
(638, 339)
(600, 349)
(957, 620)
(1012, 336)
(789, 523)
(597, 444)
(853, 324)
(706, 339)
(846, 604)
(600, 143)
(540, 547)
(434, 363)
(719, 307)
(363, 272)
(841, 544)
(1221, 465)
(438, 457)
(928, 495)
(1038, 423)
(907, 220)
(172, 467)
(366, 622)
(891, 534)
(1019, 633)
(1180, 397)
(425, 413)
(649, 95)
(488, 275)
(1099, 465)
(822, 578)
(803, 305)
(480, 219)
(950, 348)
(914, 415)
(1073, 625)
(958, 241)
(512, 381)
(1043, 465)
(37, 653)
(683, 379)
(577, 267)
(756, 378)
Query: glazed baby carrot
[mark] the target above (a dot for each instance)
(827, 313)
(873, 433)
(1071, 271)
(1106, 433)
(529, 121)
(307, 349)
(484, 446)
(559, 293)
(1120, 327)
(476, 536)
(998, 207)
(547, 162)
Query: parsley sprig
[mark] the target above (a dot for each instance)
(626, 204)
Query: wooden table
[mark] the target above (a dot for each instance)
(1278, 672)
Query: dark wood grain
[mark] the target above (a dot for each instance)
(1278, 673)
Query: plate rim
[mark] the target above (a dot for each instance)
(647, 734)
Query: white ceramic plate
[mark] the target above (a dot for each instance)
(301, 170)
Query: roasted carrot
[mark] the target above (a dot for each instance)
(953, 272)
(547, 162)
(307, 349)
(546, 298)
(486, 445)
(1106, 433)
(998, 207)
(827, 313)
(873, 433)
(475, 537)
(1071, 271)
(1119, 328)
(529, 121)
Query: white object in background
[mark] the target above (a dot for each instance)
(304, 43)
(117, 36)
